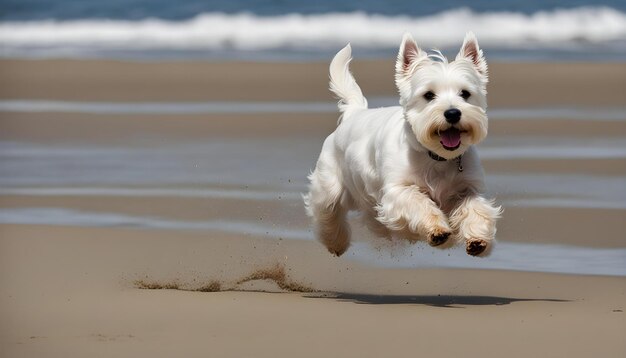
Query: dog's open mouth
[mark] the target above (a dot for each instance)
(450, 139)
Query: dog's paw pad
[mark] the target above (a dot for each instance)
(475, 247)
(438, 239)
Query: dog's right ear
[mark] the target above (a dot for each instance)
(408, 58)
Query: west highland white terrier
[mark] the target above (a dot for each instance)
(411, 170)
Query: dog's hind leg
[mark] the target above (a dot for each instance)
(327, 205)
(375, 226)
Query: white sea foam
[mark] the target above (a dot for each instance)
(561, 28)
(508, 255)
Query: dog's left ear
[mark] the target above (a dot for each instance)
(472, 52)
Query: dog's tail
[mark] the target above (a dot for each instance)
(342, 82)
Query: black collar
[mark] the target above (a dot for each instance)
(436, 157)
(442, 159)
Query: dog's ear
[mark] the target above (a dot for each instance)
(471, 51)
(408, 57)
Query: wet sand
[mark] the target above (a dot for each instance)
(75, 291)
(511, 84)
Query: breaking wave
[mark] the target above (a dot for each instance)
(576, 27)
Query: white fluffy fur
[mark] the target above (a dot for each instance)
(377, 160)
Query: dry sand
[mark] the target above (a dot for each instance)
(77, 292)
(72, 292)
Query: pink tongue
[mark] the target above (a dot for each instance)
(451, 138)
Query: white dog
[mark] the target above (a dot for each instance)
(411, 170)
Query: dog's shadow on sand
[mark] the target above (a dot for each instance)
(444, 301)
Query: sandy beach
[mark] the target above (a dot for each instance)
(71, 292)
(153, 234)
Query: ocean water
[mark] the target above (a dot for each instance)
(304, 31)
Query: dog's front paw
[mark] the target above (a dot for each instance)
(337, 251)
(477, 247)
(438, 238)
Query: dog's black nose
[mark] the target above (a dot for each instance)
(452, 115)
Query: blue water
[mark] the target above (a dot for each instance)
(301, 31)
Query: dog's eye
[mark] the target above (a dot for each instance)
(429, 96)
(465, 94)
